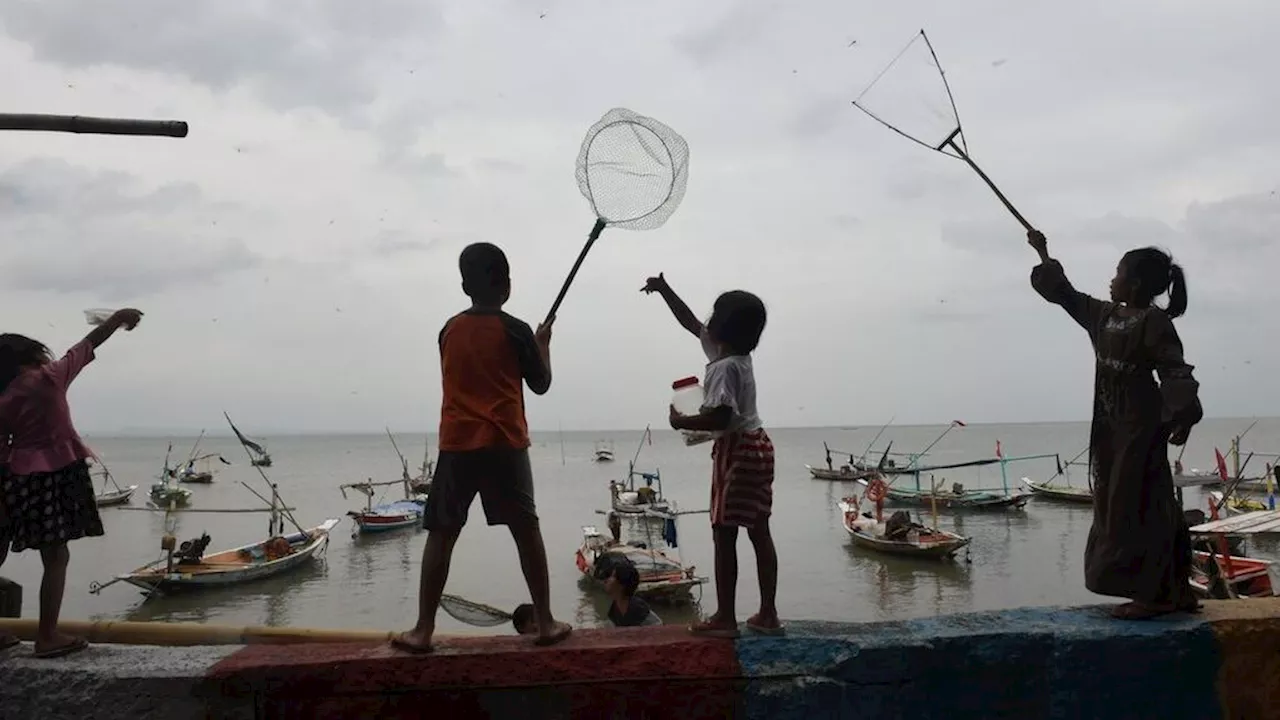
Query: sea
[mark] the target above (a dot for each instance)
(1032, 556)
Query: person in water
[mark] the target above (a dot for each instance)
(1139, 546)
(625, 609)
(742, 456)
(46, 493)
(486, 359)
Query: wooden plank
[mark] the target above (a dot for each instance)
(1252, 523)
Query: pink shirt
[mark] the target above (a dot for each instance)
(34, 412)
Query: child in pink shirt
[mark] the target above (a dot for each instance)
(46, 495)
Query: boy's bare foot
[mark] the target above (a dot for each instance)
(716, 626)
(766, 624)
(417, 641)
(59, 646)
(553, 633)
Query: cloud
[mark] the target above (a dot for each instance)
(326, 54)
(71, 230)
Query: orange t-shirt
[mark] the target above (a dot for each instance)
(485, 359)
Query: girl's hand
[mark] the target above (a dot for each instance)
(655, 284)
(675, 418)
(128, 318)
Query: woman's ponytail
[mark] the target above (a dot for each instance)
(1177, 291)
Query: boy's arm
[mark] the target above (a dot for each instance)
(713, 419)
(534, 353)
(720, 403)
(679, 309)
(68, 367)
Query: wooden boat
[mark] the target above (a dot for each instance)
(114, 495)
(1236, 504)
(119, 496)
(189, 569)
(165, 494)
(920, 541)
(604, 451)
(1218, 576)
(1065, 492)
(385, 517)
(957, 497)
(662, 577)
(421, 483)
(627, 499)
(846, 473)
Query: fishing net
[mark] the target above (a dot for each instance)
(472, 613)
(911, 97)
(634, 171)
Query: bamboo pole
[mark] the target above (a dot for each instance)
(187, 634)
(92, 125)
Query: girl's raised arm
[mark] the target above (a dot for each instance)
(1050, 281)
(682, 313)
(127, 318)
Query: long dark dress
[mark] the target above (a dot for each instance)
(1138, 546)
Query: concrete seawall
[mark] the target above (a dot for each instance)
(1024, 663)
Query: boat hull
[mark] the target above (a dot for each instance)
(1059, 493)
(865, 533)
(838, 475)
(387, 518)
(662, 578)
(115, 497)
(202, 478)
(969, 500)
(214, 572)
(1248, 577)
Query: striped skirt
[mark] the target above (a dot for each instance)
(742, 479)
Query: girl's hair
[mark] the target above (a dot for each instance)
(1156, 273)
(737, 320)
(18, 352)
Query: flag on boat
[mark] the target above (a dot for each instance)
(243, 440)
(648, 435)
(957, 423)
(999, 453)
(1222, 464)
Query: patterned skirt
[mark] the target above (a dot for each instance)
(742, 479)
(45, 510)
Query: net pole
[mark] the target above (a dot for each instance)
(573, 272)
(93, 125)
(951, 143)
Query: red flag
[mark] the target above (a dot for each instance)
(1222, 465)
(999, 454)
(957, 422)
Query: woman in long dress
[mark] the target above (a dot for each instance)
(1139, 546)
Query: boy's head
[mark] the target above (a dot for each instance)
(486, 276)
(523, 620)
(624, 580)
(737, 320)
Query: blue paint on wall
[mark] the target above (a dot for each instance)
(1024, 663)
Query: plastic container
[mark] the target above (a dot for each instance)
(97, 316)
(687, 400)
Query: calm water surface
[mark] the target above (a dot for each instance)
(1027, 557)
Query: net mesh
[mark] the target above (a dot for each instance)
(911, 97)
(472, 613)
(633, 170)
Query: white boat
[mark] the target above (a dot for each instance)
(604, 451)
(189, 568)
(918, 541)
(1065, 493)
(119, 496)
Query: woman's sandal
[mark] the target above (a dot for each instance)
(1139, 611)
(8, 641)
(74, 646)
(709, 629)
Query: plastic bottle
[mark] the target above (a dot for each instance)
(687, 400)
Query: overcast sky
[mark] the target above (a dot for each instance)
(296, 254)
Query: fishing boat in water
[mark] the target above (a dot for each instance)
(663, 578)
(385, 517)
(898, 536)
(957, 496)
(188, 567)
(113, 495)
(1065, 491)
(604, 451)
(1220, 570)
(628, 499)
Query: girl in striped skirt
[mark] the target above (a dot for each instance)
(742, 456)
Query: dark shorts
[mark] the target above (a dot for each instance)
(502, 478)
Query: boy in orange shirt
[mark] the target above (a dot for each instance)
(486, 357)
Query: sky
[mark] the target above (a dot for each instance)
(296, 254)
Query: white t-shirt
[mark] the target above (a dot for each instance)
(730, 382)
